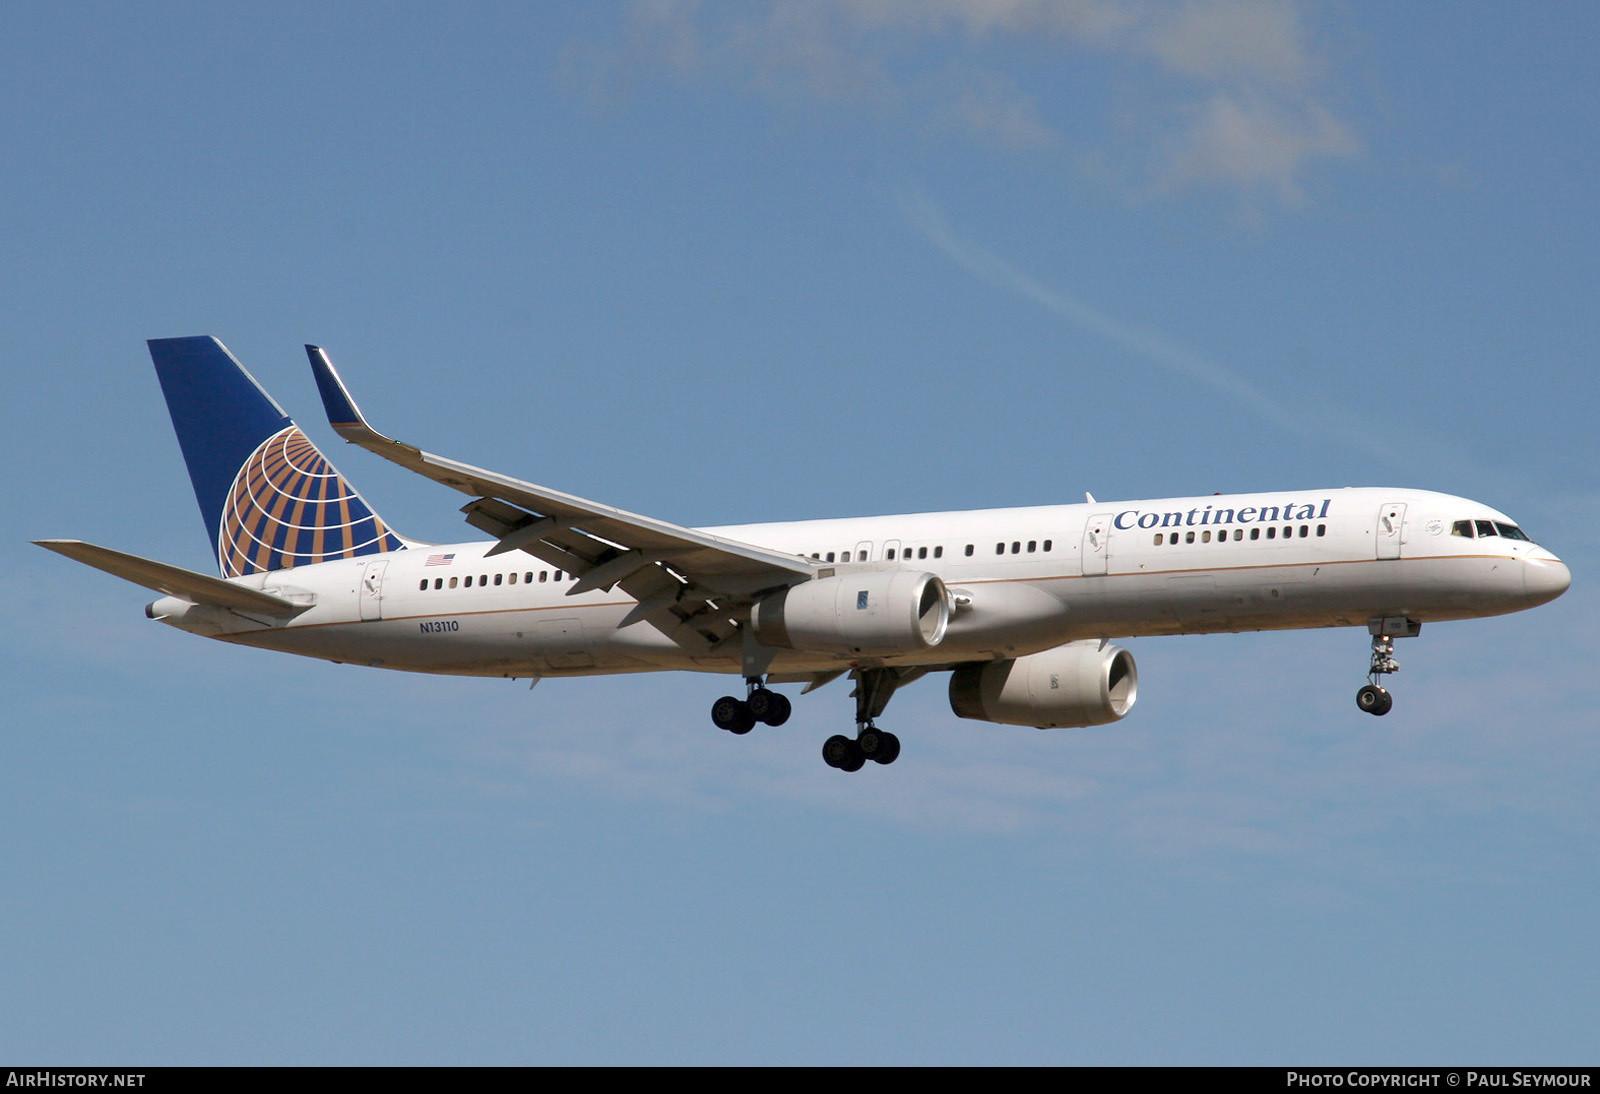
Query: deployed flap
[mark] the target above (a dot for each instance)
(694, 582)
(172, 580)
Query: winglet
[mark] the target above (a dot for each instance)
(343, 414)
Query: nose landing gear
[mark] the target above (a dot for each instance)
(1373, 697)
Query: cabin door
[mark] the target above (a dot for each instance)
(371, 594)
(1096, 544)
(1391, 529)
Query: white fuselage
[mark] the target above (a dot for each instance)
(1021, 580)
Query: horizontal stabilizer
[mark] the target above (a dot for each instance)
(172, 580)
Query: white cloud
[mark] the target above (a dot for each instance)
(1229, 40)
(1087, 20)
(1228, 88)
(1251, 141)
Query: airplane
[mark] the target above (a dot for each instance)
(1018, 605)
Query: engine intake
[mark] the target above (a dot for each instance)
(873, 613)
(1079, 684)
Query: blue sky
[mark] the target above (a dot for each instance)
(725, 263)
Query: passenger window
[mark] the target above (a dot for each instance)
(1047, 545)
(1205, 537)
(1305, 530)
(1272, 532)
(452, 583)
(1016, 546)
(1238, 534)
(513, 579)
(889, 554)
(1033, 545)
(498, 577)
(922, 552)
(438, 583)
(556, 576)
(969, 550)
(1188, 537)
(544, 575)
(999, 548)
(527, 578)
(1322, 529)
(938, 552)
(1158, 539)
(830, 556)
(424, 586)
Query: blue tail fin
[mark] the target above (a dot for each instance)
(270, 500)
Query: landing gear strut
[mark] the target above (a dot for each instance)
(873, 689)
(760, 705)
(1373, 698)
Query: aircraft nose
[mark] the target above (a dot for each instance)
(1545, 579)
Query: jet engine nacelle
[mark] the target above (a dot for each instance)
(1079, 684)
(873, 613)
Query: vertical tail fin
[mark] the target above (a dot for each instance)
(270, 500)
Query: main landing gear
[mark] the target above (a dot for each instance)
(760, 705)
(1372, 698)
(871, 743)
(873, 689)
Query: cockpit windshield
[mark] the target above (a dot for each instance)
(1480, 529)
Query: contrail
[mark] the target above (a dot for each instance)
(929, 220)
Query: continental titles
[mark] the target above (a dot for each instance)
(1211, 515)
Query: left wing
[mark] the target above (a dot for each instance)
(693, 587)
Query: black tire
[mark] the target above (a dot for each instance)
(780, 709)
(770, 707)
(889, 751)
(1374, 700)
(841, 752)
(1387, 705)
(732, 715)
(870, 742)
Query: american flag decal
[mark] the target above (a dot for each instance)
(440, 560)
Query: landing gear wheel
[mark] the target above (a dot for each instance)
(870, 742)
(841, 752)
(888, 750)
(1374, 700)
(771, 707)
(732, 715)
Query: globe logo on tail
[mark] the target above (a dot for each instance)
(288, 507)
